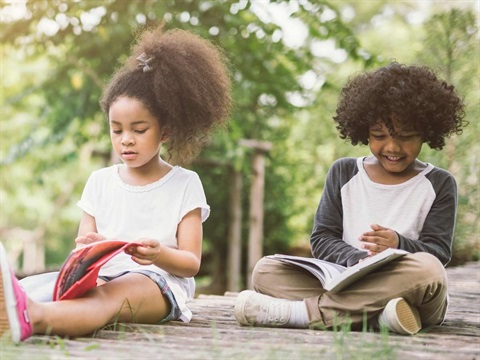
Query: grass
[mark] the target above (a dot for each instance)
(213, 343)
(365, 346)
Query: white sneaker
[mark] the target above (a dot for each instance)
(252, 308)
(400, 317)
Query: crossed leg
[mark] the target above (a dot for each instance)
(418, 278)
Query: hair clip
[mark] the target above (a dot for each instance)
(145, 62)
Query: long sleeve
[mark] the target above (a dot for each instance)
(436, 236)
(326, 238)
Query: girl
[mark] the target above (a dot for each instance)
(173, 90)
(388, 200)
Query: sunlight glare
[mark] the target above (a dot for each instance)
(15, 11)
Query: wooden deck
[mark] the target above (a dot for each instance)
(214, 334)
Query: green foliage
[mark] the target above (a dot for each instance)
(79, 49)
(56, 57)
(315, 141)
(451, 46)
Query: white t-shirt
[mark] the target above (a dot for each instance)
(127, 212)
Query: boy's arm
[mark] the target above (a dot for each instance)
(326, 239)
(436, 236)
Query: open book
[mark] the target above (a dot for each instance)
(80, 270)
(336, 277)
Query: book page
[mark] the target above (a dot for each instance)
(359, 270)
(334, 277)
(322, 270)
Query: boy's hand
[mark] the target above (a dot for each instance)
(379, 239)
(89, 238)
(146, 254)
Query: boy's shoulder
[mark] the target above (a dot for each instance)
(439, 176)
(346, 161)
(348, 164)
(344, 169)
(439, 171)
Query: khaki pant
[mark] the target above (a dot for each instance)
(419, 278)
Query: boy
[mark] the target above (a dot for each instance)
(387, 200)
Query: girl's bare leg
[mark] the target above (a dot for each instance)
(129, 298)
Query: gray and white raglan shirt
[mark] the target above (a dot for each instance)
(421, 210)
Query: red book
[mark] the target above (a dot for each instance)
(79, 272)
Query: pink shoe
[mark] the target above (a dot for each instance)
(13, 303)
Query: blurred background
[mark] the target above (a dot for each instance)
(264, 175)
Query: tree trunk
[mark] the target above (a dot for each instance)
(235, 232)
(255, 238)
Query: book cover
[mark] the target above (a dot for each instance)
(80, 270)
(334, 277)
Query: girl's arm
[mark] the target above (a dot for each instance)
(87, 231)
(184, 261)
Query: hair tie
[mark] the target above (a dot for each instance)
(145, 62)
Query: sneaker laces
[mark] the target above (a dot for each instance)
(275, 313)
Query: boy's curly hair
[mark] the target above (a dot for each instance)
(187, 87)
(413, 95)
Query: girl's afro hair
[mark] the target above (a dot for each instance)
(187, 86)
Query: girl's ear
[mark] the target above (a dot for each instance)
(165, 135)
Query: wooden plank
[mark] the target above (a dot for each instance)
(214, 334)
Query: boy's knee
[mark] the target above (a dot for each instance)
(432, 302)
(263, 272)
(429, 266)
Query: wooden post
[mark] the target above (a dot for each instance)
(255, 236)
(235, 232)
(34, 252)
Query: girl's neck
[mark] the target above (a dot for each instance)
(146, 174)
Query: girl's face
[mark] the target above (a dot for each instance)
(396, 154)
(135, 133)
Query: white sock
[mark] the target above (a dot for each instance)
(298, 315)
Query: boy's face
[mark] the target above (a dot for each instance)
(396, 153)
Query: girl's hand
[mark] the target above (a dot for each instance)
(146, 254)
(378, 240)
(88, 238)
